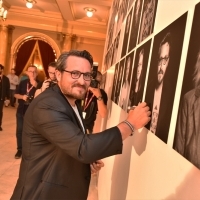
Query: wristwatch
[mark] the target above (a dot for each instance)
(99, 98)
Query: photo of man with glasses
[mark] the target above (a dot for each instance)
(157, 89)
(162, 78)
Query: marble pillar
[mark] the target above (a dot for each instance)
(4, 43)
(67, 42)
(74, 42)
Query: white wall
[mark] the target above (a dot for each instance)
(149, 168)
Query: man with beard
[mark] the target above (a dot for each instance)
(58, 156)
(158, 94)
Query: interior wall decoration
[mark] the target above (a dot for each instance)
(187, 134)
(103, 81)
(115, 84)
(135, 24)
(121, 15)
(139, 74)
(126, 33)
(125, 86)
(116, 49)
(119, 81)
(148, 19)
(163, 73)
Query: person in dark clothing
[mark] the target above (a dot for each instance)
(95, 101)
(4, 92)
(50, 82)
(58, 156)
(25, 94)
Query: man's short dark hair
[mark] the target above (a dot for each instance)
(166, 39)
(52, 64)
(1, 66)
(61, 62)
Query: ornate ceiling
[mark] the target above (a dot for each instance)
(62, 16)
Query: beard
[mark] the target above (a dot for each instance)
(79, 95)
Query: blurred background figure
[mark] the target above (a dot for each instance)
(24, 93)
(51, 80)
(4, 92)
(14, 81)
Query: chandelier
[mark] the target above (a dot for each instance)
(29, 3)
(89, 11)
(3, 12)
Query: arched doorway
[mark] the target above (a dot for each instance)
(33, 48)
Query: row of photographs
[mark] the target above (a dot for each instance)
(165, 50)
(138, 26)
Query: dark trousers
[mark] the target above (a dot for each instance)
(1, 111)
(20, 120)
(12, 98)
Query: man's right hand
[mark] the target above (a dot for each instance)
(139, 116)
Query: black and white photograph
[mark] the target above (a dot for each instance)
(135, 24)
(139, 74)
(163, 73)
(119, 81)
(125, 87)
(115, 49)
(126, 33)
(121, 15)
(148, 19)
(187, 133)
(115, 80)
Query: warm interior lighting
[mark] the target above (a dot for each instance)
(3, 12)
(90, 11)
(29, 3)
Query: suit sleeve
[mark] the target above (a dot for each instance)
(56, 123)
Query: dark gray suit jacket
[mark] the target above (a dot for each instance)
(57, 153)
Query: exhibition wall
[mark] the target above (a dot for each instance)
(152, 54)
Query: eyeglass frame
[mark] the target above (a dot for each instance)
(80, 73)
(160, 60)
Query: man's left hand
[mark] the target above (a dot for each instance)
(96, 166)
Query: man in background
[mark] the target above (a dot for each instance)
(95, 101)
(14, 81)
(50, 81)
(24, 93)
(4, 92)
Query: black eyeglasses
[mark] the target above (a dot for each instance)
(163, 61)
(76, 74)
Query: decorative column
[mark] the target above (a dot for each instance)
(67, 42)
(8, 54)
(74, 44)
(4, 43)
